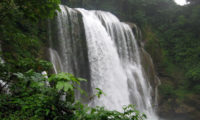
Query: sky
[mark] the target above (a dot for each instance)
(181, 2)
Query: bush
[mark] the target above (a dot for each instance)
(33, 98)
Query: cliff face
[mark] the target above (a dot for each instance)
(147, 63)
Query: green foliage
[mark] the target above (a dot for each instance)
(99, 93)
(167, 90)
(33, 98)
(30, 98)
(197, 89)
(33, 9)
(65, 81)
(194, 74)
(99, 113)
(22, 33)
(181, 93)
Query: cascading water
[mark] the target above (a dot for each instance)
(95, 45)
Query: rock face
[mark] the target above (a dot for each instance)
(147, 63)
(68, 46)
(150, 73)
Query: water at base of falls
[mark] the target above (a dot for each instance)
(95, 45)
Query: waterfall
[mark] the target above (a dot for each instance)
(95, 45)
